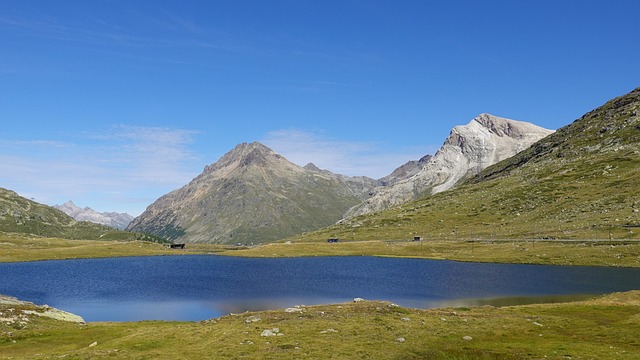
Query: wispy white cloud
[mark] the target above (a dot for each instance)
(23, 143)
(122, 169)
(341, 156)
(152, 154)
(103, 33)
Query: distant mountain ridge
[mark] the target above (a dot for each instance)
(21, 215)
(486, 140)
(252, 194)
(113, 219)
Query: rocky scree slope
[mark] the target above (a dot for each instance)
(580, 182)
(486, 140)
(251, 195)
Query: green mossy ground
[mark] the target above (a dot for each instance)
(603, 328)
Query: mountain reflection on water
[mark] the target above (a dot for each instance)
(200, 287)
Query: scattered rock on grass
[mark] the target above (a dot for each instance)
(294, 310)
(251, 319)
(271, 332)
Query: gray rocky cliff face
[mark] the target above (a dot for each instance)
(486, 140)
(250, 195)
(405, 171)
(113, 219)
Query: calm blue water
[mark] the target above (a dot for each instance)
(201, 287)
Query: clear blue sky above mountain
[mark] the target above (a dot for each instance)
(114, 103)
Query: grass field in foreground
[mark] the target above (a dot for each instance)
(602, 328)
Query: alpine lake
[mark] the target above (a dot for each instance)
(198, 287)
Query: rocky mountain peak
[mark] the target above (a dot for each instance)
(496, 125)
(252, 194)
(260, 155)
(312, 167)
(468, 149)
(506, 127)
(69, 205)
(245, 155)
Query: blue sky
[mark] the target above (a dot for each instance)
(112, 104)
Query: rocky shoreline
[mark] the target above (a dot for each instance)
(18, 312)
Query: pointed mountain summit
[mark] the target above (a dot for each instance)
(252, 194)
(244, 156)
(486, 140)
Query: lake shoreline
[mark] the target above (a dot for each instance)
(368, 329)
(19, 248)
(196, 287)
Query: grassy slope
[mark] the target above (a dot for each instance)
(585, 174)
(20, 247)
(19, 215)
(604, 328)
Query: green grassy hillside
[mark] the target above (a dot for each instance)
(582, 182)
(23, 216)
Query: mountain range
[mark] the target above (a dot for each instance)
(580, 182)
(491, 178)
(252, 194)
(113, 219)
